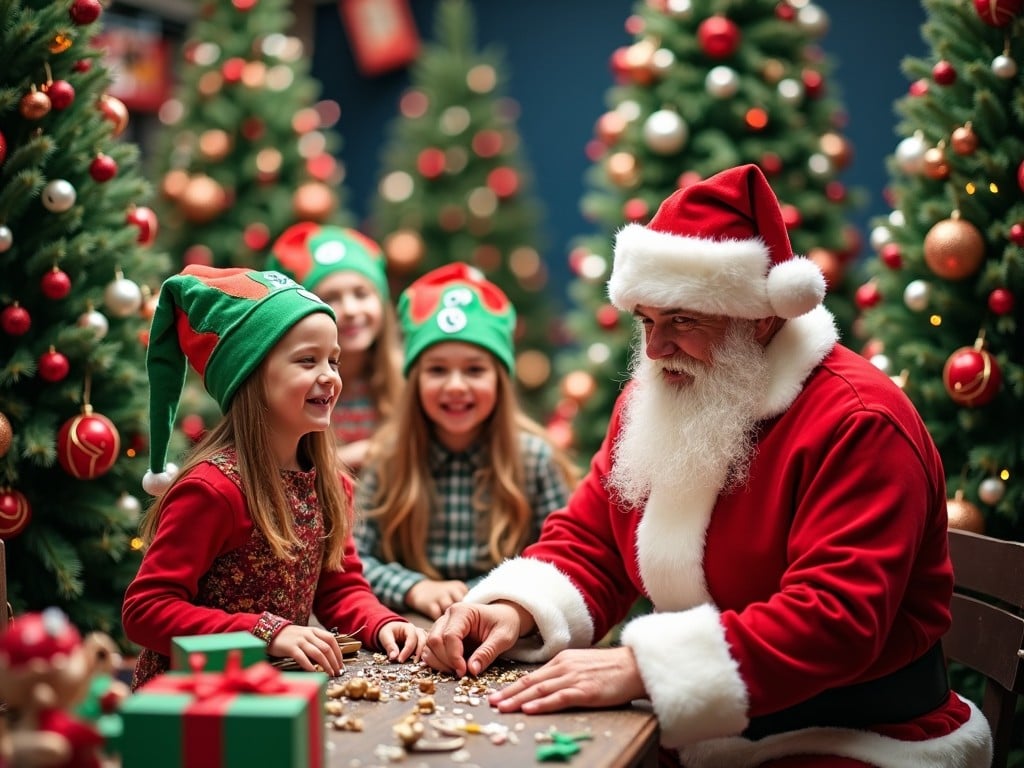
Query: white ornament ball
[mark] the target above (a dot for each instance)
(1004, 67)
(129, 505)
(663, 60)
(722, 82)
(58, 196)
(680, 9)
(790, 91)
(897, 218)
(628, 109)
(910, 154)
(879, 236)
(916, 295)
(819, 165)
(881, 362)
(813, 19)
(122, 297)
(991, 490)
(97, 321)
(665, 132)
(6, 238)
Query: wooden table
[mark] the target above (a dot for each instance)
(618, 738)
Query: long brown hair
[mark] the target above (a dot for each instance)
(406, 495)
(244, 427)
(385, 364)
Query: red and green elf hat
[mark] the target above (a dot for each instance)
(222, 322)
(308, 252)
(456, 303)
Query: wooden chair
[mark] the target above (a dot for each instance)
(987, 634)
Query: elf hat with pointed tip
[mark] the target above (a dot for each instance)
(309, 252)
(720, 247)
(222, 322)
(457, 303)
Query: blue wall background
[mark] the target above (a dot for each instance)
(556, 54)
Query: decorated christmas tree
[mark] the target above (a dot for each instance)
(248, 150)
(455, 186)
(78, 273)
(704, 86)
(943, 305)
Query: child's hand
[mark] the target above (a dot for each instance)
(401, 640)
(310, 647)
(432, 598)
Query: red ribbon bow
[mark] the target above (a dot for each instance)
(260, 678)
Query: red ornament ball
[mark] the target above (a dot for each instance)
(61, 93)
(635, 209)
(770, 163)
(1000, 301)
(504, 182)
(103, 168)
(785, 11)
(814, 83)
(88, 445)
(198, 254)
(85, 11)
(3, 148)
(1020, 176)
(55, 284)
(944, 73)
(430, 163)
(193, 427)
(998, 13)
(15, 320)
(143, 218)
(256, 236)
(972, 377)
(608, 317)
(53, 366)
(718, 37)
(791, 216)
(15, 513)
(918, 87)
(891, 256)
(82, 65)
(867, 295)
(1017, 233)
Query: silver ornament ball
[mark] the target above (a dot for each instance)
(791, 91)
(97, 321)
(1005, 67)
(58, 196)
(879, 236)
(881, 362)
(910, 154)
(991, 490)
(813, 19)
(122, 297)
(6, 238)
(916, 295)
(665, 132)
(722, 82)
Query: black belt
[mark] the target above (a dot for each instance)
(903, 695)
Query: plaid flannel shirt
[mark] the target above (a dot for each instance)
(457, 534)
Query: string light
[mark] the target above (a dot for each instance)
(935, 320)
(1004, 474)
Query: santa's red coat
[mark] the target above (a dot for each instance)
(829, 567)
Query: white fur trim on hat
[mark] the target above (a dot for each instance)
(157, 483)
(548, 595)
(732, 278)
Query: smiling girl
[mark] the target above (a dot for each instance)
(460, 479)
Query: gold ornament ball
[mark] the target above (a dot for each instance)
(610, 127)
(837, 149)
(622, 170)
(964, 140)
(954, 249)
(215, 144)
(579, 386)
(174, 184)
(35, 105)
(533, 368)
(203, 199)
(313, 201)
(830, 264)
(404, 250)
(209, 84)
(6, 435)
(115, 111)
(963, 515)
(934, 164)
(773, 71)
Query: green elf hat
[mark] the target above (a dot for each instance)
(456, 303)
(222, 322)
(308, 252)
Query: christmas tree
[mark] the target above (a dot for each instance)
(248, 150)
(78, 274)
(941, 306)
(704, 86)
(455, 186)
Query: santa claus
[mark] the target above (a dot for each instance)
(775, 497)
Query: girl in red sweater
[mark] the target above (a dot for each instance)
(253, 533)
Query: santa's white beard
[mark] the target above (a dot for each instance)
(701, 433)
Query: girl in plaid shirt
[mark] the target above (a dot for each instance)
(346, 269)
(460, 479)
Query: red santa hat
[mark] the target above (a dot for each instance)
(39, 641)
(719, 247)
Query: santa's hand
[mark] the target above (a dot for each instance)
(495, 627)
(591, 677)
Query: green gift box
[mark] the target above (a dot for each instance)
(215, 648)
(233, 719)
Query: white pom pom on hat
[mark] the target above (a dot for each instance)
(720, 247)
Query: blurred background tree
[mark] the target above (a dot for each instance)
(247, 149)
(703, 87)
(75, 298)
(455, 187)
